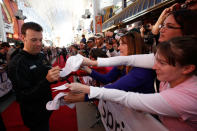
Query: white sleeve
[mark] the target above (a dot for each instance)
(114, 53)
(108, 54)
(151, 103)
(143, 60)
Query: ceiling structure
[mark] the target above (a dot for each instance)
(58, 17)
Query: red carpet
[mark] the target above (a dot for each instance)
(64, 119)
(12, 118)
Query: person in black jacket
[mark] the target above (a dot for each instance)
(31, 75)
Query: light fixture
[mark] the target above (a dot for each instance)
(19, 15)
(87, 14)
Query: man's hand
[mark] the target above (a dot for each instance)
(78, 88)
(53, 74)
(109, 46)
(142, 30)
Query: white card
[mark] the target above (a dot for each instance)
(62, 87)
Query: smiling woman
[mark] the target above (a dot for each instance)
(178, 23)
(175, 56)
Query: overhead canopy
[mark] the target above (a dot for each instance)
(133, 11)
(59, 17)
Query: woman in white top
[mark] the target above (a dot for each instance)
(176, 104)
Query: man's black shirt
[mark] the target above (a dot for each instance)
(28, 75)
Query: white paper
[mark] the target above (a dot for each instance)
(73, 63)
(58, 101)
(4, 76)
(62, 87)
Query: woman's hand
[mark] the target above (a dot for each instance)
(162, 17)
(88, 62)
(164, 14)
(73, 97)
(78, 88)
(86, 69)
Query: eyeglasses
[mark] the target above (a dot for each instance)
(168, 26)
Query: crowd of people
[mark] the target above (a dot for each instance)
(120, 66)
(175, 66)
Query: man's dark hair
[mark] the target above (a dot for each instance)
(180, 1)
(5, 44)
(32, 26)
(91, 39)
(96, 52)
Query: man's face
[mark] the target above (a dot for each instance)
(99, 42)
(2, 51)
(32, 41)
(81, 46)
(6, 49)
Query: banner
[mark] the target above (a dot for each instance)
(116, 117)
(98, 24)
(5, 83)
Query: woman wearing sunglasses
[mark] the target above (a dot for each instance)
(176, 104)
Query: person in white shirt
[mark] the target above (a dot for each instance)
(176, 104)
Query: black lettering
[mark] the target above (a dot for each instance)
(110, 118)
(104, 112)
(117, 125)
(123, 126)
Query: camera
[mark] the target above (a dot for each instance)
(148, 36)
(149, 39)
(109, 40)
(146, 27)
